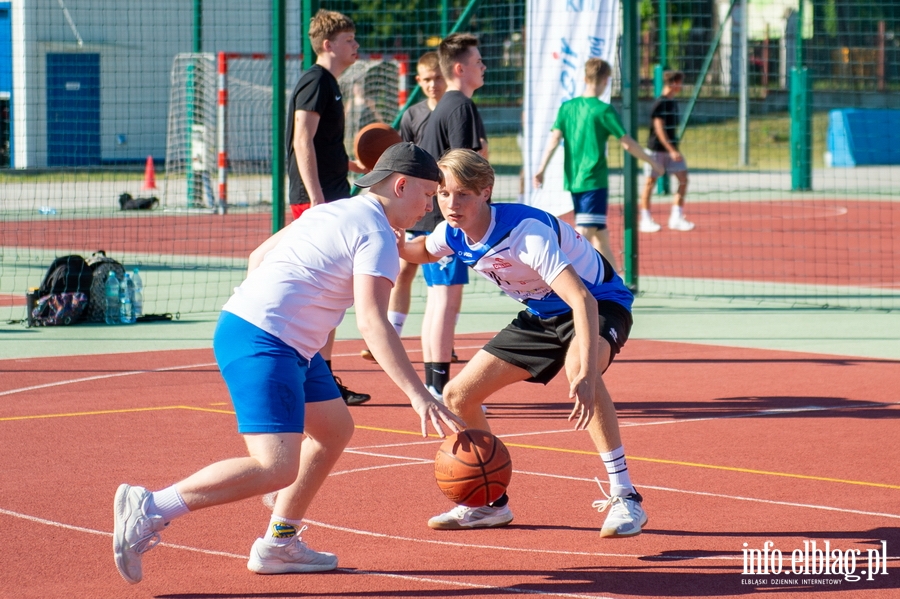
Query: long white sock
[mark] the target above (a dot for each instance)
(676, 210)
(168, 504)
(281, 530)
(397, 319)
(645, 215)
(617, 469)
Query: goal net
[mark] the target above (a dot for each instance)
(219, 139)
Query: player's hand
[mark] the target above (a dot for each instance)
(432, 410)
(675, 155)
(357, 167)
(658, 170)
(400, 234)
(581, 390)
(538, 179)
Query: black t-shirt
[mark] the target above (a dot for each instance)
(413, 122)
(454, 123)
(666, 109)
(318, 91)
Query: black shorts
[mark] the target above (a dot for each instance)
(539, 345)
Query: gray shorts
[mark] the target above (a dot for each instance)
(671, 166)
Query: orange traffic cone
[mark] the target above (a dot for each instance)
(149, 175)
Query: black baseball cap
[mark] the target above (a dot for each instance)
(405, 158)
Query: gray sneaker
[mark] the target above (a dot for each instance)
(462, 517)
(135, 532)
(266, 558)
(626, 517)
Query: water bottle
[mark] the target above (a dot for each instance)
(111, 314)
(137, 302)
(126, 296)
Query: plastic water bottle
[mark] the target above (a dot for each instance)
(111, 314)
(126, 303)
(137, 302)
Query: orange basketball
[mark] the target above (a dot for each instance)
(473, 468)
(372, 140)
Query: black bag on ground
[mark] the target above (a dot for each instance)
(127, 202)
(101, 266)
(63, 295)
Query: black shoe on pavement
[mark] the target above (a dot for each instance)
(351, 398)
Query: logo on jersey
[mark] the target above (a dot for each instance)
(464, 254)
(500, 263)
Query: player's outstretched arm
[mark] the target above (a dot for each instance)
(552, 143)
(583, 375)
(371, 295)
(635, 149)
(414, 251)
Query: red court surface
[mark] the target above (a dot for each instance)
(728, 446)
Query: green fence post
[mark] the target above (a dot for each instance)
(662, 185)
(801, 129)
(630, 89)
(278, 116)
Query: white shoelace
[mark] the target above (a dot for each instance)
(149, 537)
(602, 504)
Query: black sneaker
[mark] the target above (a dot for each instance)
(351, 398)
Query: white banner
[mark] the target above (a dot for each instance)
(560, 36)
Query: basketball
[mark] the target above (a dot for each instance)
(473, 468)
(372, 140)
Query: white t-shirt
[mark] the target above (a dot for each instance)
(523, 252)
(304, 285)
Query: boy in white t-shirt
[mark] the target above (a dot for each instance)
(289, 410)
(577, 318)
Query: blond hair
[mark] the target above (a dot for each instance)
(453, 49)
(596, 69)
(429, 61)
(471, 170)
(325, 25)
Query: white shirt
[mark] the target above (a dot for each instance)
(304, 285)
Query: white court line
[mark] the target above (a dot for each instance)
(103, 376)
(449, 583)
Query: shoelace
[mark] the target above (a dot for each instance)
(601, 504)
(297, 545)
(147, 541)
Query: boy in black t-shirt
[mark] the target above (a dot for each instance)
(317, 162)
(453, 124)
(663, 145)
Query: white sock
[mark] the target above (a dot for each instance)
(281, 530)
(677, 211)
(619, 481)
(645, 215)
(168, 504)
(397, 319)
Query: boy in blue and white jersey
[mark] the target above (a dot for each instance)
(577, 316)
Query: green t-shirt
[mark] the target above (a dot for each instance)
(586, 123)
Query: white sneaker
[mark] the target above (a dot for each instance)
(626, 516)
(266, 558)
(434, 393)
(648, 225)
(679, 223)
(462, 517)
(135, 532)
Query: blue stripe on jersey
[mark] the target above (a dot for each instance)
(506, 218)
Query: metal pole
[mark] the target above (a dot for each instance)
(630, 88)
(307, 9)
(744, 100)
(801, 127)
(193, 102)
(278, 116)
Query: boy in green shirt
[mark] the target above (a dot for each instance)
(586, 123)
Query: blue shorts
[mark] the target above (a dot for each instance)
(269, 382)
(591, 207)
(449, 270)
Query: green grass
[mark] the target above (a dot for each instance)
(709, 147)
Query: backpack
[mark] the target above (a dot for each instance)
(100, 266)
(126, 202)
(64, 291)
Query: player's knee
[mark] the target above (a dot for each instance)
(453, 399)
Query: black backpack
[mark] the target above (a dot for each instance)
(100, 266)
(63, 295)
